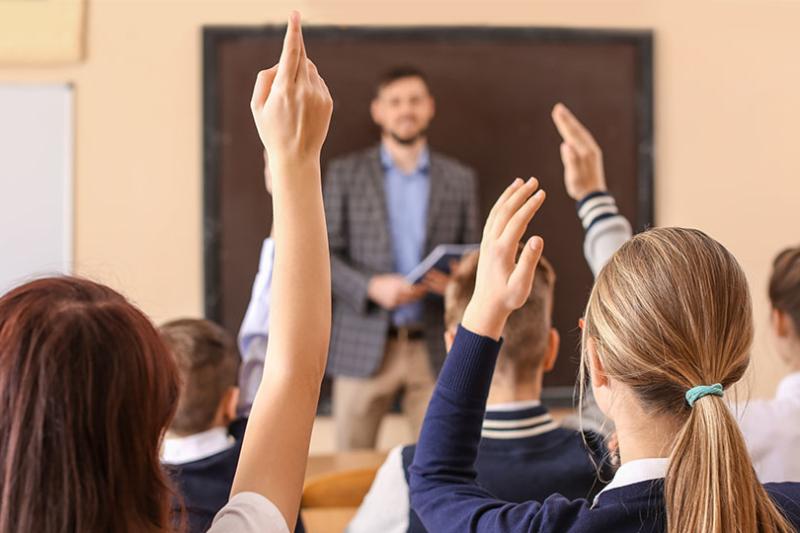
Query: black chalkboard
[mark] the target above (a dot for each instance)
(494, 88)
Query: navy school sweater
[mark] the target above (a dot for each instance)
(443, 486)
(205, 484)
(521, 447)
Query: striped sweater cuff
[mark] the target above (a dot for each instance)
(469, 367)
(595, 207)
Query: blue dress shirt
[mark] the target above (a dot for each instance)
(407, 210)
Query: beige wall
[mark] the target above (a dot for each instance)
(726, 125)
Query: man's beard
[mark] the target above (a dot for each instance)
(407, 141)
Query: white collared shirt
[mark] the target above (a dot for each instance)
(771, 430)
(637, 471)
(182, 450)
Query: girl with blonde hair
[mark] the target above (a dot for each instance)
(668, 329)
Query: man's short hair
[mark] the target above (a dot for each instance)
(208, 362)
(398, 73)
(527, 332)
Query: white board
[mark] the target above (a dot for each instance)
(36, 176)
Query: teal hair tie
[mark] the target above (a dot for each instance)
(695, 393)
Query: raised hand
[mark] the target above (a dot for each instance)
(292, 109)
(504, 282)
(291, 104)
(582, 157)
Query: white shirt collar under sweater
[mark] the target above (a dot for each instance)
(181, 450)
(513, 406)
(637, 471)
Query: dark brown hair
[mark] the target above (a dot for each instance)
(209, 365)
(399, 73)
(86, 390)
(526, 334)
(784, 284)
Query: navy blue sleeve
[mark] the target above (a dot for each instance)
(442, 484)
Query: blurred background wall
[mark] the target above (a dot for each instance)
(727, 112)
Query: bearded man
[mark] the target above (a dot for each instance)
(387, 207)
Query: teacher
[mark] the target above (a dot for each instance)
(387, 207)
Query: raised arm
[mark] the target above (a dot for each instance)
(291, 106)
(444, 492)
(584, 179)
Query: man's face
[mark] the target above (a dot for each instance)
(404, 109)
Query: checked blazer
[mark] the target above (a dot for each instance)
(358, 232)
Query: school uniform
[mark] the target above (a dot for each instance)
(519, 437)
(606, 230)
(443, 486)
(202, 467)
(772, 432)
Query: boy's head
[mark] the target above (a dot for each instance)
(784, 295)
(208, 363)
(530, 343)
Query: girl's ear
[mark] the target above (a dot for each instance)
(780, 323)
(597, 371)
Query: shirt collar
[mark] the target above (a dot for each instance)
(517, 420)
(423, 163)
(513, 406)
(636, 472)
(181, 450)
(789, 387)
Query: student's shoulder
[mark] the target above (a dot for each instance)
(787, 497)
(587, 449)
(407, 456)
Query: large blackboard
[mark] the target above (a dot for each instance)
(494, 88)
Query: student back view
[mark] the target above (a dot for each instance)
(518, 435)
(668, 328)
(772, 427)
(88, 388)
(199, 451)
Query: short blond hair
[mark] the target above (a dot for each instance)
(526, 335)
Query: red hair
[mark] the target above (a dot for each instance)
(86, 390)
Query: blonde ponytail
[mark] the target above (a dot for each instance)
(669, 312)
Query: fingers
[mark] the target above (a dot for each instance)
(411, 294)
(293, 47)
(512, 205)
(516, 226)
(263, 85)
(436, 281)
(516, 184)
(520, 282)
(571, 129)
(568, 156)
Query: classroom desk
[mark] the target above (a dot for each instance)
(335, 519)
(336, 462)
